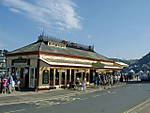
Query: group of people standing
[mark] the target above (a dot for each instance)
(79, 84)
(100, 80)
(8, 84)
(106, 79)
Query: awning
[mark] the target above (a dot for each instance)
(104, 66)
(65, 63)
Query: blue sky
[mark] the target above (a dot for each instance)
(117, 28)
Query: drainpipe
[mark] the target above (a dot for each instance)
(38, 73)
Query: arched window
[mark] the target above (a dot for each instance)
(45, 79)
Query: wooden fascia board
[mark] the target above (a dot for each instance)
(23, 53)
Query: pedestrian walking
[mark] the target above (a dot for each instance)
(77, 83)
(18, 84)
(112, 80)
(99, 78)
(109, 80)
(84, 84)
(121, 78)
(10, 82)
(98, 81)
(13, 86)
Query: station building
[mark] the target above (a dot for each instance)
(52, 63)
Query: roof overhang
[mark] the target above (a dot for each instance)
(48, 61)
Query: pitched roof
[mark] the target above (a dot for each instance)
(41, 46)
(29, 48)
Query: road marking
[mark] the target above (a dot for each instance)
(96, 96)
(108, 91)
(46, 104)
(84, 99)
(56, 101)
(63, 100)
(141, 106)
(15, 111)
(111, 92)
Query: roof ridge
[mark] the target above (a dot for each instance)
(39, 48)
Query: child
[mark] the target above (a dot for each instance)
(4, 83)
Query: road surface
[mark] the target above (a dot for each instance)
(115, 100)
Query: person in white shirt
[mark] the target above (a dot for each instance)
(13, 86)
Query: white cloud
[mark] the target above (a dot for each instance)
(15, 10)
(55, 14)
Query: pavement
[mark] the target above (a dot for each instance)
(144, 107)
(31, 96)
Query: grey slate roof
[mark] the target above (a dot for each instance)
(29, 48)
(41, 46)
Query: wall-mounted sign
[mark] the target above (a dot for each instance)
(21, 60)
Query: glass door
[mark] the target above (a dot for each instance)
(32, 78)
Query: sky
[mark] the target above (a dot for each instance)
(116, 28)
